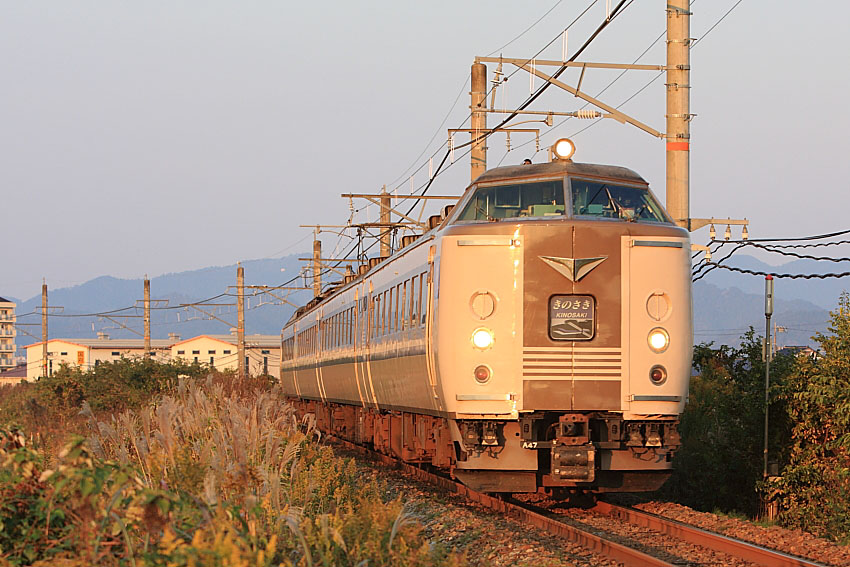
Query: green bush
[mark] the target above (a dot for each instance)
(50, 407)
(720, 463)
(814, 489)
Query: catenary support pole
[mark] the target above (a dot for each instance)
(44, 330)
(147, 317)
(317, 265)
(678, 110)
(386, 235)
(478, 93)
(768, 352)
(240, 323)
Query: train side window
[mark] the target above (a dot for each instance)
(388, 296)
(385, 324)
(423, 298)
(401, 306)
(409, 307)
(393, 295)
(399, 300)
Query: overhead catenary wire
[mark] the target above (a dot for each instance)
(536, 94)
(704, 268)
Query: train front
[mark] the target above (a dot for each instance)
(563, 330)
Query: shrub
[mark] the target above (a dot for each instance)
(720, 463)
(814, 490)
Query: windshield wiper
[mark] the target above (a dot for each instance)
(621, 212)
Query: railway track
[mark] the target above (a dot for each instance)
(599, 541)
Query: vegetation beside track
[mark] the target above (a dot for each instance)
(720, 464)
(192, 469)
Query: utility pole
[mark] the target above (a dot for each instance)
(147, 319)
(678, 110)
(44, 330)
(478, 93)
(240, 322)
(317, 264)
(385, 221)
(768, 312)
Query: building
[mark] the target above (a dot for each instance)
(262, 352)
(795, 350)
(88, 353)
(7, 335)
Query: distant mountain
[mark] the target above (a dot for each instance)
(822, 292)
(722, 315)
(264, 313)
(725, 303)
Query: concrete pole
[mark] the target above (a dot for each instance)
(317, 266)
(147, 317)
(240, 322)
(678, 110)
(768, 312)
(44, 330)
(478, 155)
(385, 221)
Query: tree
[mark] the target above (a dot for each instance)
(814, 490)
(719, 465)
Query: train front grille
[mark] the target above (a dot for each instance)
(571, 378)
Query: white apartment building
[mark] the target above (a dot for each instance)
(88, 353)
(262, 352)
(7, 335)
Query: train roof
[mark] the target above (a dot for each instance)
(560, 167)
(509, 172)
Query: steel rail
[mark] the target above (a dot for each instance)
(737, 548)
(624, 555)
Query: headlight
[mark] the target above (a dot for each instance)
(482, 338)
(658, 340)
(564, 148)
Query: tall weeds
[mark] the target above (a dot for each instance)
(210, 474)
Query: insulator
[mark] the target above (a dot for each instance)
(728, 234)
(587, 114)
(711, 232)
(745, 233)
(708, 255)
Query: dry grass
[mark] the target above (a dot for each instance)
(214, 473)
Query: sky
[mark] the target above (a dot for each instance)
(156, 137)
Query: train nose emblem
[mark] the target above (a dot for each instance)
(573, 268)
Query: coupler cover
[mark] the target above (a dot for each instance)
(573, 463)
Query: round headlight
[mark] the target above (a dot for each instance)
(658, 339)
(564, 148)
(482, 338)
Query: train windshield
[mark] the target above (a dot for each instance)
(537, 199)
(608, 200)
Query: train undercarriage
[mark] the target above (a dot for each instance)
(560, 452)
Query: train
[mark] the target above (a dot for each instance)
(537, 337)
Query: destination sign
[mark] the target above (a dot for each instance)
(572, 317)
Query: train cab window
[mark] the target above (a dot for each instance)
(609, 200)
(537, 199)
